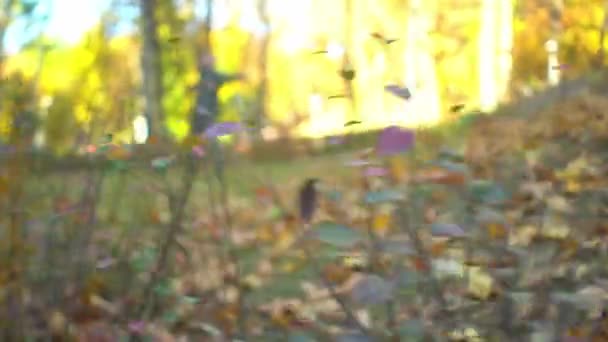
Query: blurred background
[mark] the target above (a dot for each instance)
(74, 71)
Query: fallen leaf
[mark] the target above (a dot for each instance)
(371, 290)
(447, 230)
(401, 92)
(381, 223)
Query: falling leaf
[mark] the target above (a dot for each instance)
(348, 74)
(319, 52)
(457, 108)
(383, 196)
(223, 128)
(337, 235)
(174, 39)
(447, 230)
(339, 96)
(401, 92)
(352, 122)
(393, 140)
(382, 38)
(371, 290)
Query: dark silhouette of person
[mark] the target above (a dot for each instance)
(207, 104)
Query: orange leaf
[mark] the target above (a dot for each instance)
(438, 248)
(419, 264)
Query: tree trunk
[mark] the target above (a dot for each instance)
(601, 53)
(488, 93)
(420, 69)
(505, 46)
(152, 69)
(263, 70)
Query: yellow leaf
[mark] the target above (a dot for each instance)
(284, 240)
(381, 223)
(497, 231)
(573, 186)
(265, 233)
(480, 283)
(397, 168)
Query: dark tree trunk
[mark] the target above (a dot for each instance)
(152, 69)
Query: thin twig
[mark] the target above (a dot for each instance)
(228, 234)
(177, 216)
(333, 292)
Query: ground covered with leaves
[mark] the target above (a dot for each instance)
(504, 239)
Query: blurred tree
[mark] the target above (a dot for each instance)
(152, 68)
(495, 42)
(261, 96)
(574, 24)
(12, 10)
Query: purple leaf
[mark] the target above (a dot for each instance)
(222, 128)
(371, 290)
(447, 230)
(137, 327)
(394, 140)
(401, 92)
